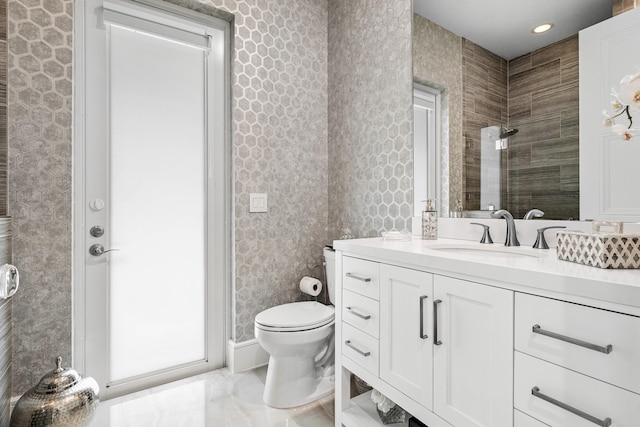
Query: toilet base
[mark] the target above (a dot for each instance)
(295, 386)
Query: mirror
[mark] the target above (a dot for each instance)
(512, 122)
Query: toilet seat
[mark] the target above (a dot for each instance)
(295, 316)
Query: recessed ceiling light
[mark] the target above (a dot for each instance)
(542, 28)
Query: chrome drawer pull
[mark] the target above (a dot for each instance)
(355, 313)
(361, 278)
(537, 330)
(604, 423)
(436, 341)
(422, 334)
(364, 353)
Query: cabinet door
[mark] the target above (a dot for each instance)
(406, 357)
(473, 353)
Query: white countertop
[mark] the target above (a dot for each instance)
(540, 272)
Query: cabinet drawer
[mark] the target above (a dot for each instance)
(361, 348)
(521, 419)
(362, 277)
(569, 322)
(581, 393)
(361, 312)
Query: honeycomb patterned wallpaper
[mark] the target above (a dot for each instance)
(39, 132)
(370, 117)
(279, 148)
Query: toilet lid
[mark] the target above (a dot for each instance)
(296, 316)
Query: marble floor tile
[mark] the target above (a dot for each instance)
(217, 398)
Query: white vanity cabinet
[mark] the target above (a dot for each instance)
(444, 350)
(406, 338)
(473, 353)
(466, 340)
(576, 365)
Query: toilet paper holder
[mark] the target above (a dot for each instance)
(9, 281)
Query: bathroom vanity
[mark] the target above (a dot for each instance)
(469, 335)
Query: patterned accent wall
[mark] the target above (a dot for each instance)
(544, 155)
(437, 62)
(370, 117)
(279, 148)
(39, 94)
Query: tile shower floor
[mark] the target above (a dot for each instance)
(217, 398)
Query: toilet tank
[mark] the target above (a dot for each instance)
(330, 271)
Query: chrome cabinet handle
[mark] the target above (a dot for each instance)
(536, 329)
(360, 278)
(436, 341)
(355, 313)
(604, 423)
(364, 353)
(422, 334)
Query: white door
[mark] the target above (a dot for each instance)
(152, 183)
(406, 340)
(473, 353)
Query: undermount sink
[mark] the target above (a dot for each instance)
(497, 251)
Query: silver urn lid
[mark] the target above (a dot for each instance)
(62, 398)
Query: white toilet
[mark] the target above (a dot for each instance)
(300, 341)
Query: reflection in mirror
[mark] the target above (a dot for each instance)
(482, 95)
(426, 116)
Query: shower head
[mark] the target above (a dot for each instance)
(506, 132)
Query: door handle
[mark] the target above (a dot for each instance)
(97, 250)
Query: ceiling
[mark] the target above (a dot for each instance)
(504, 26)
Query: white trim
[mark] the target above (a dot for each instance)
(142, 25)
(426, 147)
(245, 355)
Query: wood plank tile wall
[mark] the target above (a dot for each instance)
(484, 83)
(6, 318)
(543, 157)
(5, 328)
(538, 94)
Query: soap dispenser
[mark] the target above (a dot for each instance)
(430, 221)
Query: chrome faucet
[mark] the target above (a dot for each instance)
(533, 213)
(512, 239)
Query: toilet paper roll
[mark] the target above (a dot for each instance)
(310, 286)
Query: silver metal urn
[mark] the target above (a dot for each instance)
(62, 398)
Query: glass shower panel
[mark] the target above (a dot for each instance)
(157, 276)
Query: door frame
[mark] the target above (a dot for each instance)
(218, 324)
